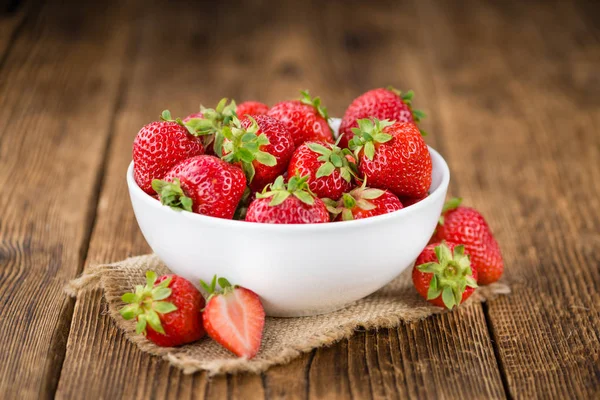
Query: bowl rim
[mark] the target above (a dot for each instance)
(437, 161)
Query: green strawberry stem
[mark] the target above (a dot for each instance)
(452, 274)
(305, 98)
(146, 304)
(171, 194)
(211, 289)
(315, 102)
(279, 191)
(357, 197)
(333, 157)
(407, 98)
(243, 146)
(367, 134)
(212, 121)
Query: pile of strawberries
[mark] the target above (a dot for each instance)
(282, 165)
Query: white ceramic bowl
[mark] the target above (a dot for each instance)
(297, 270)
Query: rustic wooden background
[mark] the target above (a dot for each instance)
(513, 96)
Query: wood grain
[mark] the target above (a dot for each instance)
(55, 95)
(513, 95)
(533, 135)
(12, 18)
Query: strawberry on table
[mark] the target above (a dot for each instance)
(291, 203)
(327, 167)
(443, 275)
(159, 146)
(363, 202)
(234, 317)
(467, 226)
(260, 144)
(251, 108)
(203, 185)
(306, 119)
(390, 104)
(167, 310)
(392, 156)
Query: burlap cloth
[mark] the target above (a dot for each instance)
(284, 338)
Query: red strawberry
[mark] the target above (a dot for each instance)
(204, 185)
(287, 204)
(390, 104)
(306, 119)
(261, 144)
(467, 226)
(158, 147)
(251, 108)
(209, 121)
(329, 171)
(409, 201)
(234, 318)
(393, 156)
(167, 310)
(443, 275)
(363, 202)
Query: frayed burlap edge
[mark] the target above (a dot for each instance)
(95, 278)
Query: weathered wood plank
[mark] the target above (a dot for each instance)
(12, 18)
(521, 110)
(58, 86)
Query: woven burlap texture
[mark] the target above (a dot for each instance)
(284, 338)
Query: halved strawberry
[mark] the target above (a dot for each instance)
(234, 317)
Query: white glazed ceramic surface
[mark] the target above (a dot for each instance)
(297, 270)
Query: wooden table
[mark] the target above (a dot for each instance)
(513, 97)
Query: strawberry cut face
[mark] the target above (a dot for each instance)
(235, 319)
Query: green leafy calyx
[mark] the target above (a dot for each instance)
(407, 98)
(279, 191)
(212, 290)
(356, 198)
(171, 194)
(367, 134)
(315, 102)
(236, 144)
(147, 303)
(333, 157)
(452, 274)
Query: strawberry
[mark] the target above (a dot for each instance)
(234, 317)
(251, 108)
(327, 167)
(409, 201)
(363, 202)
(203, 185)
(443, 275)
(306, 119)
(393, 156)
(291, 203)
(158, 147)
(167, 310)
(260, 144)
(209, 121)
(467, 226)
(390, 104)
